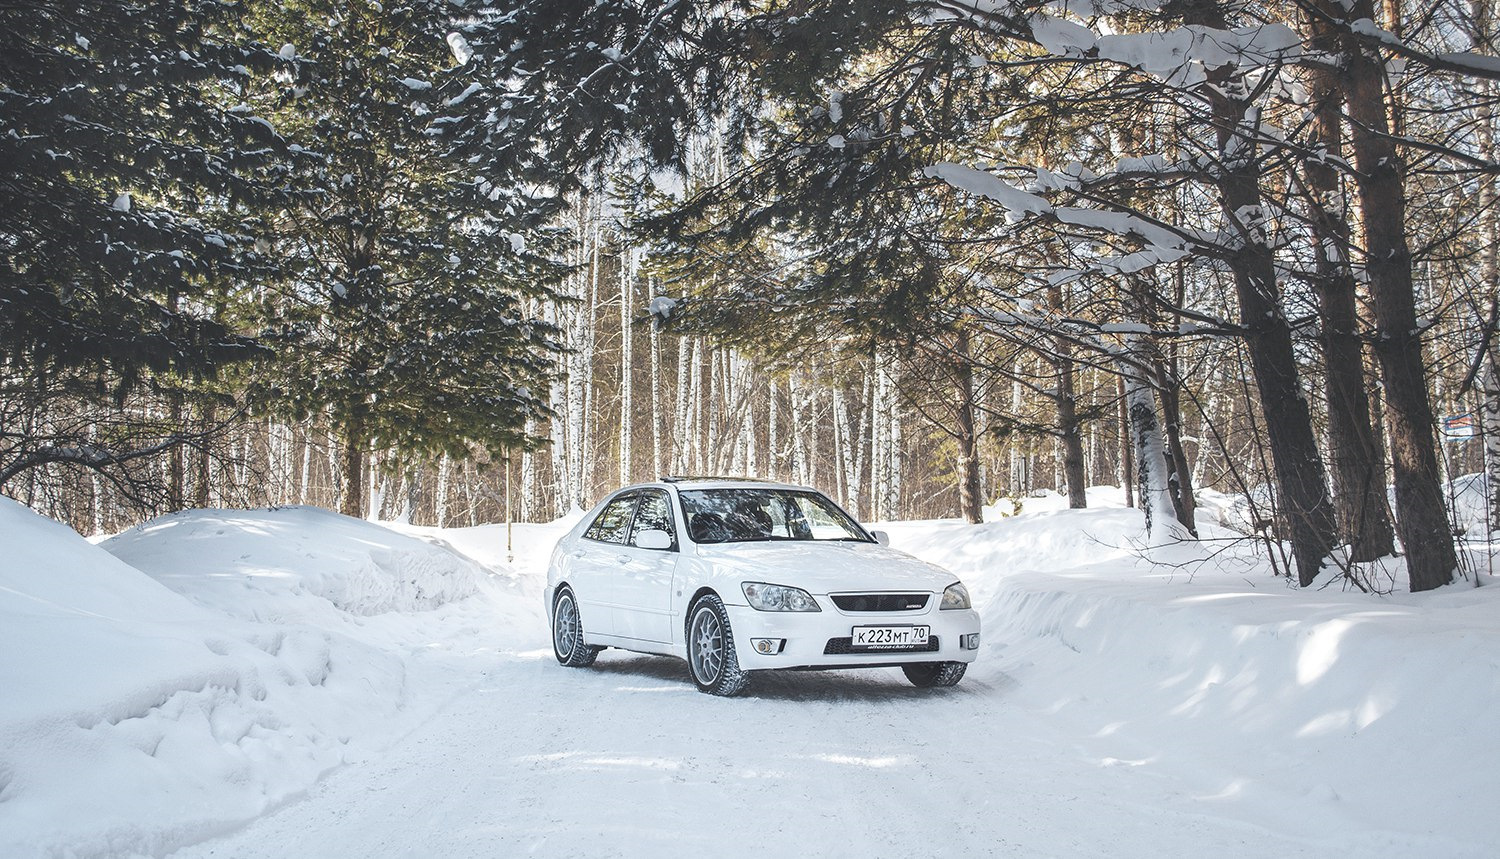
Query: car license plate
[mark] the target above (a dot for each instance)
(888, 637)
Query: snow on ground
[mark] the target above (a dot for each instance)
(229, 661)
(296, 683)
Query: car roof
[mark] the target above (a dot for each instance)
(721, 483)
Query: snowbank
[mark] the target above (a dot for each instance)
(1324, 713)
(253, 563)
(1468, 500)
(142, 712)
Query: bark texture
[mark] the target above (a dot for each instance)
(1421, 518)
(1355, 451)
(1307, 512)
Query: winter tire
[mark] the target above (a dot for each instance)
(710, 649)
(567, 632)
(930, 675)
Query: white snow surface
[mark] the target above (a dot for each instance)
(296, 683)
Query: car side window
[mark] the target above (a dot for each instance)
(613, 521)
(654, 514)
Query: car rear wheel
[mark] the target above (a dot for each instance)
(710, 649)
(929, 675)
(567, 633)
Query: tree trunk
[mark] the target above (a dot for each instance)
(351, 502)
(1020, 480)
(796, 393)
(1170, 385)
(580, 380)
(1181, 479)
(627, 359)
(529, 502)
(306, 471)
(440, 503)
(814, 434)
(204, 461)
(970, 502)
(1489, 385)
(333, 454)
(891, 423)
(864, 443)
(379, 482)
(176, 457)
(1069, 428)
(681, 422)
(96, 497)
(1147, 451)
(694, 435)
(1127, 464)
(557, 424)
(712, 440)
(773, 431)
(1355, 451)
(656, 398)
(1294, 447)
(880, 435)
(845, 439)
(1420, 513)
(1480, 21)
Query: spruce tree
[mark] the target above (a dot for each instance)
(126, 170)
(131, 181)
(405, 316)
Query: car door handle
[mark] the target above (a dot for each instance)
(624, 559)
(578, 553)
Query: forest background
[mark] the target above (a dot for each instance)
(458, 262)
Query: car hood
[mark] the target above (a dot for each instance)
(823, 567)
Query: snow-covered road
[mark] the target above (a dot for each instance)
(628, 759)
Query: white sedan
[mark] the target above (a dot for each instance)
(736, 576)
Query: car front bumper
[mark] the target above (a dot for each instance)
(819, 639)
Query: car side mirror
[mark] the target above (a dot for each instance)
(881, 537)
(653, 539)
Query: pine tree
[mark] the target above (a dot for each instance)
(404, 316)
(126, 172)
(130, 189)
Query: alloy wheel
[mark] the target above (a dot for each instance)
(708, 646)
(565, 627)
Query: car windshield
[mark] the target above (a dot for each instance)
(744, 515)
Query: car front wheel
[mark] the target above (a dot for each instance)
(710, 649)
(567, 633)
(929, 675)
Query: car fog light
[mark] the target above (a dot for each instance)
(969, 642)
(768, 646)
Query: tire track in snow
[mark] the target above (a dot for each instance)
(628, 759)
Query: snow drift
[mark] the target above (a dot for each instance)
(143, 711)
(1325, 713)
(249, 563)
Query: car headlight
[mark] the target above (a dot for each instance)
(956, 596)
(766, 597)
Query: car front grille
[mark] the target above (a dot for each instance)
(839, 646)
(880, 602)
